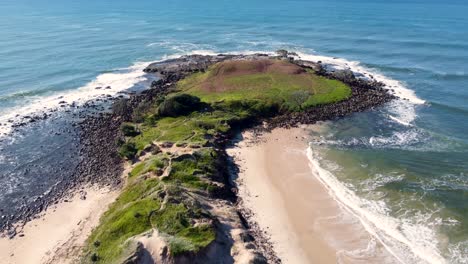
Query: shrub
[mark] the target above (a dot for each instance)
(300, 97)
(128, 150)
(250, 107)
(129, 130)
(141, 111)
(178, 105)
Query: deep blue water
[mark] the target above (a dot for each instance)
(415, 150)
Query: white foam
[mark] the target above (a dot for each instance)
(402, 111)
(380, 180)
(407, 241)
(399, 89)
(397, 140)
(118, 80)
(396, 119)
(459, 253)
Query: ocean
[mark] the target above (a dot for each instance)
(402, 169)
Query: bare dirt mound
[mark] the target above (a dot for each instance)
(216, 82)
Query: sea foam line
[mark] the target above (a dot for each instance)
(397, 236)
(399, 89)
(116, 81)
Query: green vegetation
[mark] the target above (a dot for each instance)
(127, 217)
(183, 237)
(178, 105)
(162, 188)
(276, 82)
(155, 164)
(143, 205)
(195, 128)
(194, 171)
(129, 130)
(128, 150)
(233, 92)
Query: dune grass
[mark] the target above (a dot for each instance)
(127, 216)
(174, 222)
(139, 208)
(194, 171)
(155, 163)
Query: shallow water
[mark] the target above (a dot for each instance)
(406, 164)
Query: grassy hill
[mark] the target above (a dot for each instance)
(275, 81)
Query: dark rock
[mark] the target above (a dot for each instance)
(258, 259)
(167, 145)
(346, 76)
(282, 53)
(94, 257)
(246, 237)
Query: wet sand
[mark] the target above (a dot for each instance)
(304, 222)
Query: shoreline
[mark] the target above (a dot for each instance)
(65, 233)
(297, 214)
(103, 130)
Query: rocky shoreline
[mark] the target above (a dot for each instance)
(99, 133)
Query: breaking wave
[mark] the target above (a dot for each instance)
(408, 240)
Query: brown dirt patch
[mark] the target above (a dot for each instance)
(216, 81)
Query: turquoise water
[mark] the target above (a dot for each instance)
(411, 156)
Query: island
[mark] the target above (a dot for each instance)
(177, 195)
(179, 199)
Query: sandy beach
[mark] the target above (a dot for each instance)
(304, 222)
(57, 235)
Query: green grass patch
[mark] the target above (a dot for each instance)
(335, 91)
(153, 164)
(175, 222)
(194, 129)
(193, 171)
(126, 217)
